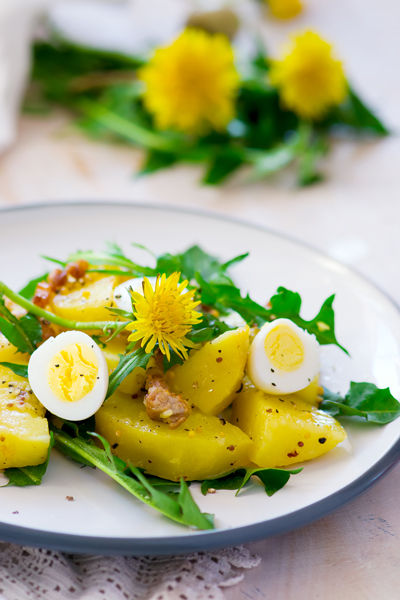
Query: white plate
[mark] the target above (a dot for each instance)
(103, 516)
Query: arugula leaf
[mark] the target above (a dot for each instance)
(191, 513)
(132, 479)
(287, 304)
(284, 304)
(175, 359)
(24, 333)
(232, 481)
(273, 479)
(156, 160)
(25, 476)
(82, 429)
(32, 328)
(363, 400)
(128, 362)
(29, 289)
(207, 329)
(179, 507)
(223, 296)
(226, 160)
(195, 260)
(20, 370)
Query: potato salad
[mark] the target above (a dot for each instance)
(167, 374)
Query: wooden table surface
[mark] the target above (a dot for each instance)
(353, 216)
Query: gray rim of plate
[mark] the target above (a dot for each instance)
(207, 540)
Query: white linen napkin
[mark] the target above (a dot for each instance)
(17, 21)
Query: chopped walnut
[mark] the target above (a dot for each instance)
(57, 278)
(45, 290)
(162, 405)
(43, 294)
(77, 269)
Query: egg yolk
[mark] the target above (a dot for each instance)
(72, 373)
(284, 348)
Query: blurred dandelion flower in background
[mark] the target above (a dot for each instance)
(191, 85)
(309, 79)
(285, 9)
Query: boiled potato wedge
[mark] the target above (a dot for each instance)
(87, 303)
(310, 393)
(9, 353)
(211, 376)
(136, 380)
(285, 429)
(202, 447)
(24, 432)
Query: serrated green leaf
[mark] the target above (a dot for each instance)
(32, 328)
(284, 304)
(224, 163)
(14, 336)
(156, 161)
(182, 510)
(272, 479)
(191, 514)
(127, 363)
(363, 400)
(25, 333)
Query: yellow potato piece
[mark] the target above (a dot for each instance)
(310, 393)
(24, 439)
(24, 433)
(202, 447)
(136, 380)
(212, 375)
(285, 429)
(15, 392)
(9, 353)
(88, 303)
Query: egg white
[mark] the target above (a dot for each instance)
(268, 377)
(39, 382)
(122, 297)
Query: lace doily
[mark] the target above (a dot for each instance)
(37, 574)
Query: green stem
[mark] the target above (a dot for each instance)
(66, 323)
(127, 129)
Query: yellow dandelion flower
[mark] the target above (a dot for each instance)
(309, 79)
(164, 315)
(285, 9)
(191, 85)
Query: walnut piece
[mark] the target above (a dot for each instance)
(162, 405)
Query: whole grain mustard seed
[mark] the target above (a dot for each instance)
(211, 491)
(219, 359)
(322, 440)
(191, 434)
